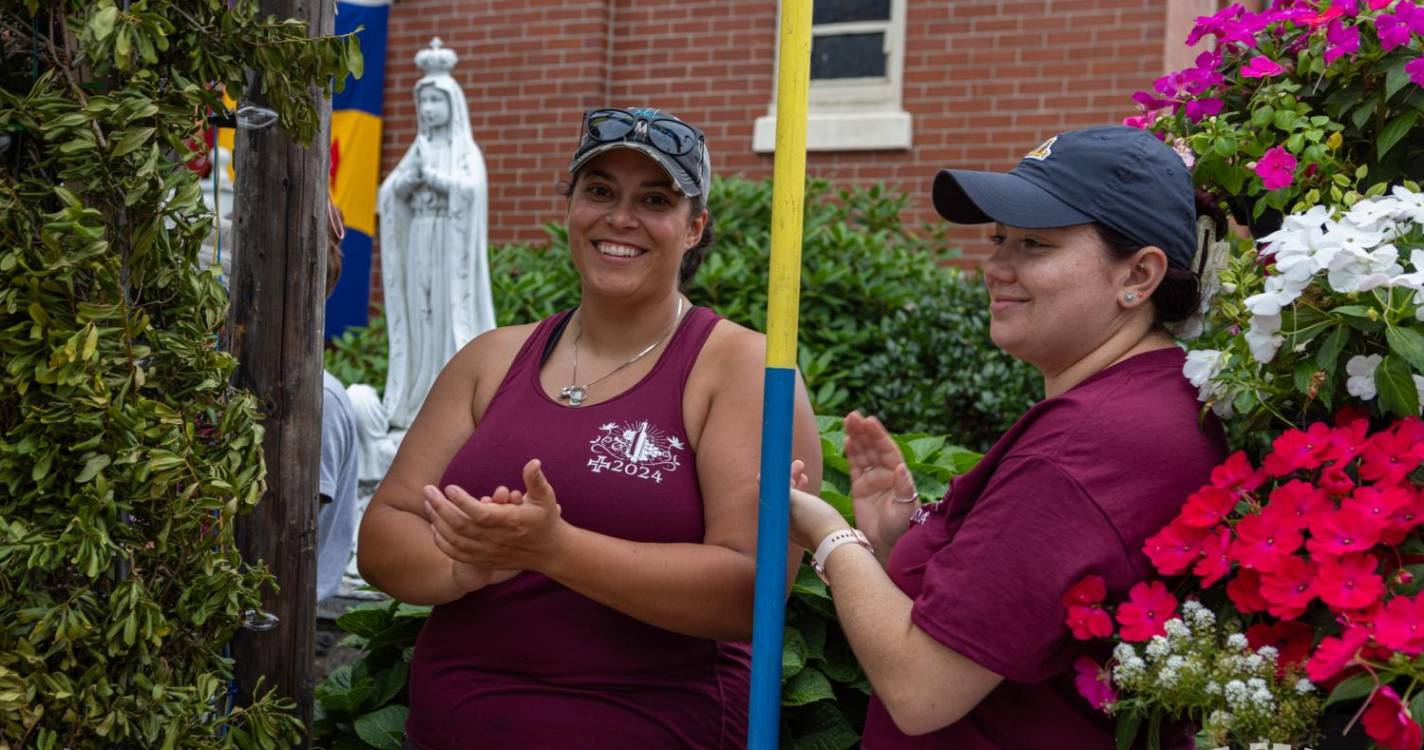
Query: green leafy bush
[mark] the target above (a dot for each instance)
(824, 692)
(359, 354)
(125, 456)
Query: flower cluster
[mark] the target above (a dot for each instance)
(1321, 531)
(1194, 666)
(1341, 289)
(1291, 99)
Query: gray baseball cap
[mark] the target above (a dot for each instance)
(679, 148)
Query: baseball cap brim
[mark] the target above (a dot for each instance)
(681, 180)
(967, 197)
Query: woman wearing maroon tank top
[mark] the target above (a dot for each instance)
(578, 498)
(963, 631)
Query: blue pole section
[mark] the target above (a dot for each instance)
(773, 514)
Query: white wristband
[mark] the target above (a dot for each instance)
(830, 543)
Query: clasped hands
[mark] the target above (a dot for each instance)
(493, 538)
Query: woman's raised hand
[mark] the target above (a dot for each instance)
(508, 530)
(881, 488)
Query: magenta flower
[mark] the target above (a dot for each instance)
(1148, 607)
(1200, 109)
(1277, 168)
(1341, 40)
(1415, 69)
(1394, 28)
(1261, 67)
(1092, 682)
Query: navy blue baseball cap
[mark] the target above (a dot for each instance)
(1121, 177)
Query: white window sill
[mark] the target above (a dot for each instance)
(882, 130)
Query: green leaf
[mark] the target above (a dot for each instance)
(822, 726)
(1393, 132)
(1352, 689)
(365, 620)
(92, 467)
(1407, 343)
(132, 139)
(1262, 115)
(793, 653)
(808, 686)
(384, 728)
(101, 24)
(1285, 119)
(1126, 730)
(1329, 353)
(1397, 393)
(1356, 311)
(1396, 77)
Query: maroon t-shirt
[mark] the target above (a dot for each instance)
(1073, 488)
(530, 663)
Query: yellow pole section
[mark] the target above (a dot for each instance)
(788, 183)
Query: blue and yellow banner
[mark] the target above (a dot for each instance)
(356, 160)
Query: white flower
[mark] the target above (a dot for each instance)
(1419, 389)
(1219, 720)
(1167, 677)
(1375, 213)
(1263, 698)
(1304, 686)
(1269, 653)
(1236, 693)
(1175, 628)
(1203, 618)
(1158, 647)
(1202, 366)
(1356, 269)
(1254, 662)
(1212, 687)
(1264, 337)
(1411, 204)
(1256, 683)
(1124, 651)
(1236, 640)
(1361, 369)
(1175, 662)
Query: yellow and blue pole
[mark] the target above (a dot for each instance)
(783, 295)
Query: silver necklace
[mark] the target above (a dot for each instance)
(575, 394)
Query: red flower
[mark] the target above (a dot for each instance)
(1092, 682)
(1173, 549)
(1236, 474)
(1207, 507)
(1290, 588)
(1379, 503)
(1349, 582)
(1391, 455)
(1291, 639)
(1400, 624)
(1334, 479)
(1334, 654)
(1294, 450)
(1403, 521)
(1088, 623)
(1148, 606)
(1387, 722)
(1090, 590)
(1341, 532)
(1214, 563)
(1245, 592)
(1261, 541)
(1296, 501)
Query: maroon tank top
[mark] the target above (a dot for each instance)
(529, 663)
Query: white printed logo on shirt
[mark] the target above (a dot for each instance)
(636, 449)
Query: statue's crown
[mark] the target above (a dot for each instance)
(436, 59)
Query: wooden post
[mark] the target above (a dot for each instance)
(274, 328)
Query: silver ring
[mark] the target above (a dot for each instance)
(914, 497)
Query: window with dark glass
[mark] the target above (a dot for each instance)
(848, 39)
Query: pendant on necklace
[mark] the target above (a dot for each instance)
(574, 394)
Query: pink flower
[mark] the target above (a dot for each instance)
(1236, 474)
(1400, 624)
(1403, 521)
(1293, 450)
(1387, 722)
(1379, 504)
(1296, 502)
(1261, 67)
(1207, 507)
(1289, 589)
(1291, 639)
(1086, 619)
(1334, 654)
(1341, 40)
(1214, 563)
(1092, 682)
(1349, 582)
(1245, 592)
(1389, 456)
(1148, 607)
(1276, 169)
(1261, 541)
(1341, 532)
(1415, 69)
(1395, 28)
(1088, 591)
(1200, 109)
(1175, 548)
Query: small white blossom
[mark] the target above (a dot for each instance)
(1269, 653)
(1175, 662)
(1256, 683)
(1124, 651)
(1158, 647)
(1202, 366)
(1254, 662)
(1263, 698)
(1304, 686)
(1361, 369)
(1236, 693)
(1237, 640)
(1203, 619)
(1213, 687)
(1175, 628)
(1167, 677)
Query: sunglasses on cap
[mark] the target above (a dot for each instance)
(672, 138)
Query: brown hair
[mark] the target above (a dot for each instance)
(692, 258)
(1179, 295)
(333, 253)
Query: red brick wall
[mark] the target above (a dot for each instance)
(985, 80)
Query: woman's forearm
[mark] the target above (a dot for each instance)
(397, 556)
(702, 590)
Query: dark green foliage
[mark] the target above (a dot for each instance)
(125, 456)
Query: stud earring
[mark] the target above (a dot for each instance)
(1130, 297)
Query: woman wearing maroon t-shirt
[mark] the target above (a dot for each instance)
(578, 497)
(962, 631)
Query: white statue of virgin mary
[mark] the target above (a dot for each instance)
(434, 264)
